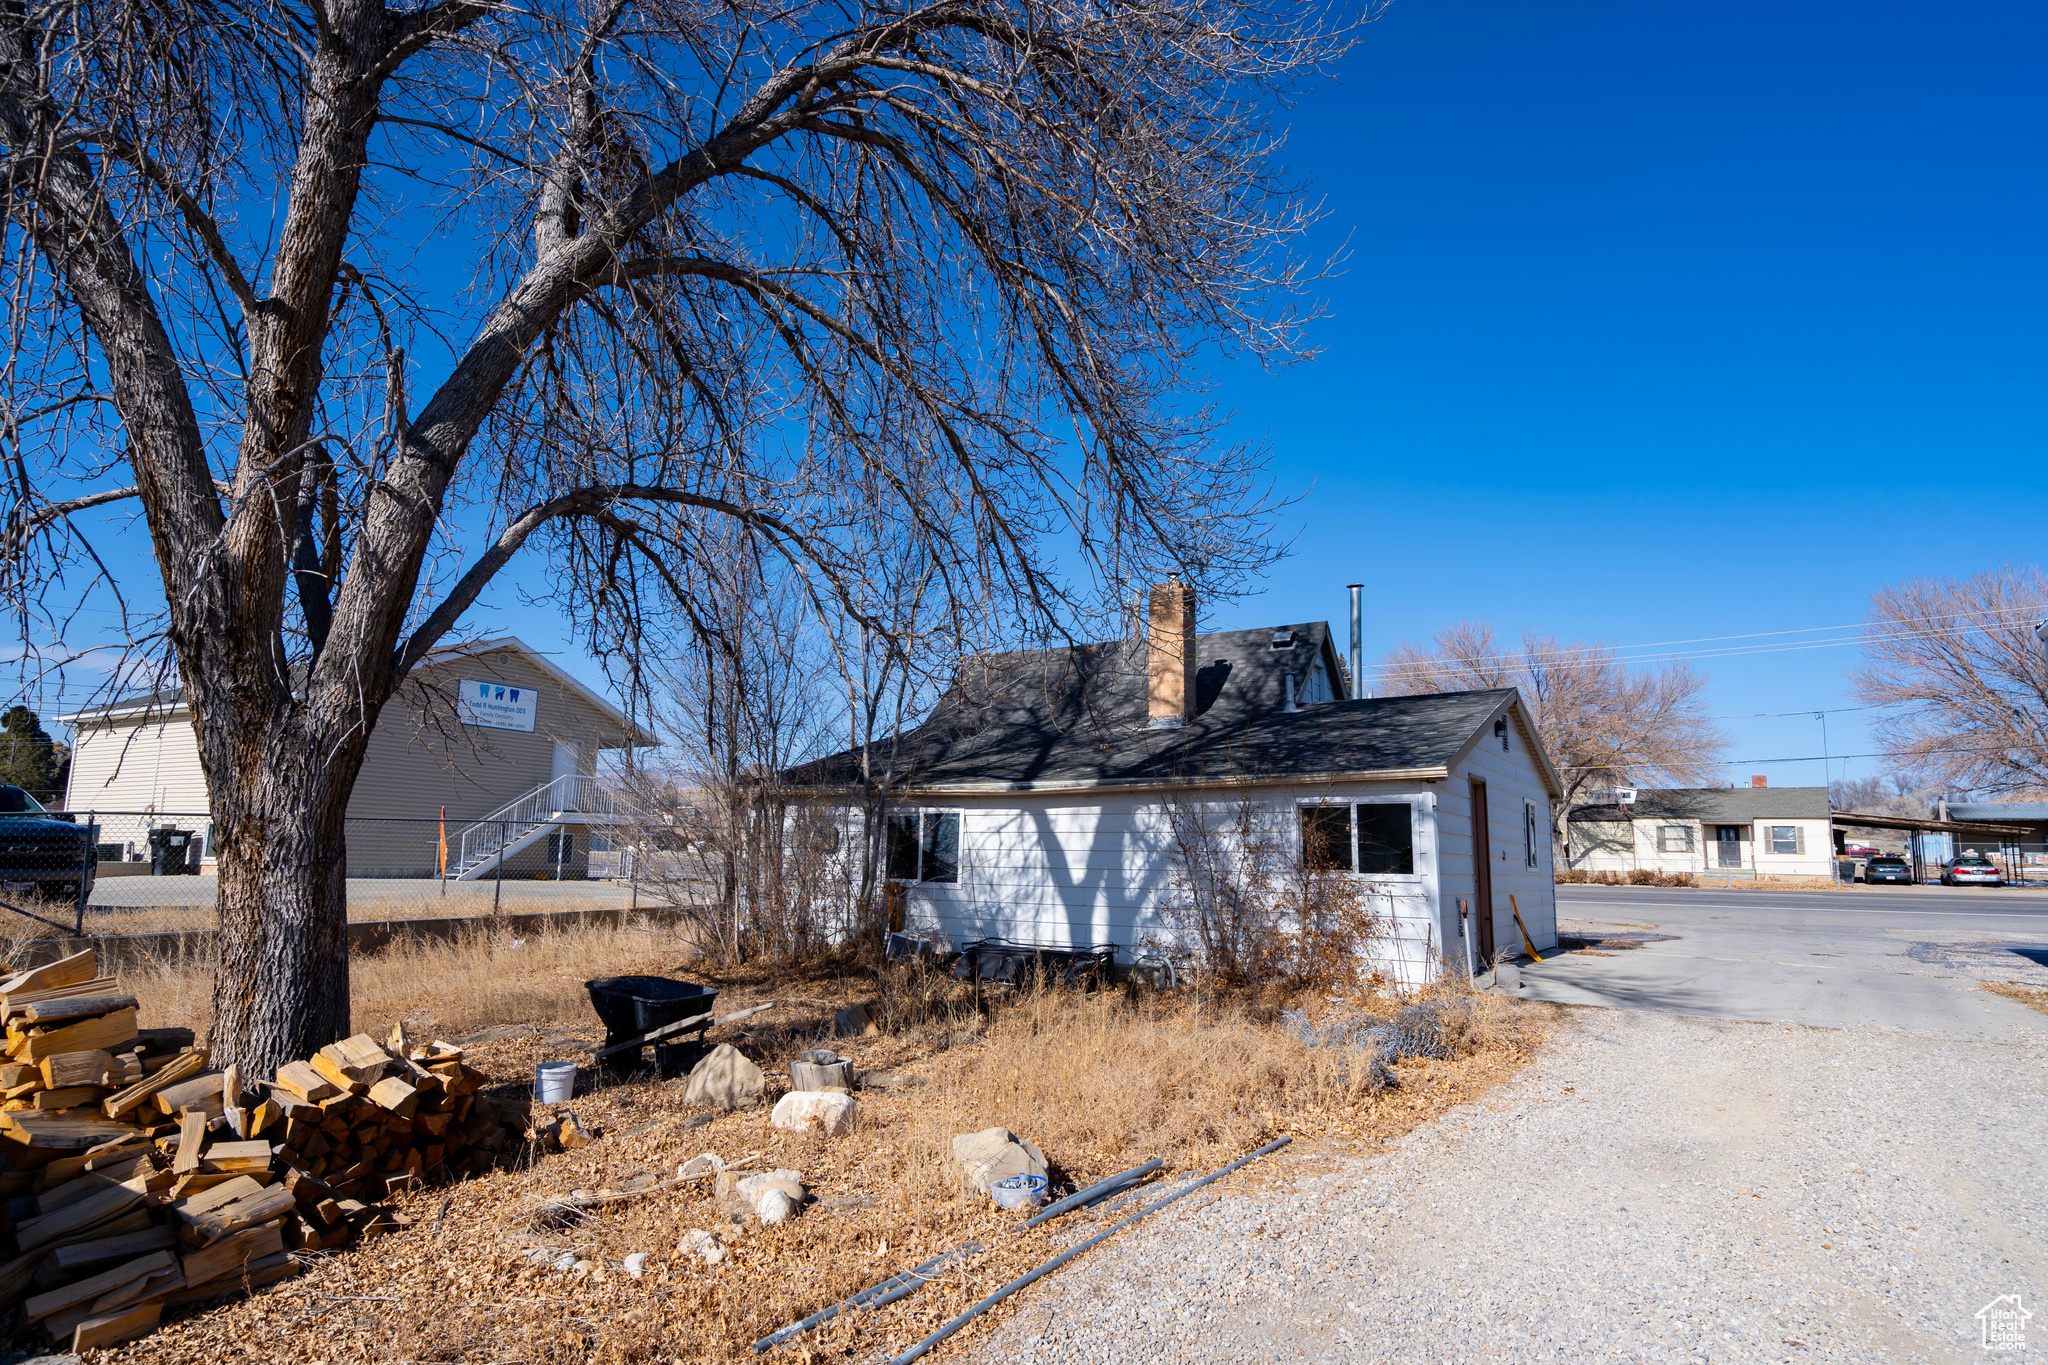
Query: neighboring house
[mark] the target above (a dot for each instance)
(1720, 831)
(494, 735)
(1039, 802)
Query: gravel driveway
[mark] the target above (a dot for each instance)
(1653, 1187)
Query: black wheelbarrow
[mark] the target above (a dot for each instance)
(634, 1006)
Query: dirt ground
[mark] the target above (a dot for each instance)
(1100, 1081)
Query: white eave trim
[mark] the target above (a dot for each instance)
(1149, 784)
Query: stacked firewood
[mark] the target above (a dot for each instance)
(136, 1178)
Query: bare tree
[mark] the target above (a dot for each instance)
(1962, 677)
(747, 697)
(1602, 723)
(1893, 794)
(834, 275)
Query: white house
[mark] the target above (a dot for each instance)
(493, 734)
(1038, 802)
(1740, 832)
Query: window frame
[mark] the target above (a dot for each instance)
(1530, 857)
(922, 822)
(1349, 866)
(1684, 833)
(1798, 840)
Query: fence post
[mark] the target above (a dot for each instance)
(498, 885)
(633, 875)
(86, 859)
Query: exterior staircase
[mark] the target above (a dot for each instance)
(572, 799)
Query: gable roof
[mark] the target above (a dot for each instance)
(170, 701)
(1037, 720)
(1733, 805)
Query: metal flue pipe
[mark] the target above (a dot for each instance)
(1357, 643)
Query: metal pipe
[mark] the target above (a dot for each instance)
(1101, 1189)
(909, 1281)
(1030, 1276)
(1357, 643)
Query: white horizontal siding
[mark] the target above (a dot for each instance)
(1070, 872)
(1513, 785)
(153, 767)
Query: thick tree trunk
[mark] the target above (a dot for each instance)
(281, 988)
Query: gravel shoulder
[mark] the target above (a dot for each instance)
(1655, 1187)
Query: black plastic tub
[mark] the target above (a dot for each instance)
(631, 1005)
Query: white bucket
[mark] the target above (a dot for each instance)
(554, 1082)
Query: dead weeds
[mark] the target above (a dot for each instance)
(2033, 997)
(1099, 1081)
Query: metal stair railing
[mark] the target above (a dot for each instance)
(513, 822)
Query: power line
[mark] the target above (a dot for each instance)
(1810, 711)
(1622, 653)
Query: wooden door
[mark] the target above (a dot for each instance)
(1482, 873)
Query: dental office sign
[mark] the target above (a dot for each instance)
(496, 705)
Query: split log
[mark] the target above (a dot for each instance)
(86, 1290)
(67, 1069)
(111, 1329)
(65, 971)
(125, 1102)
(69, 1260)
(107, 1031)
(231, 1252)
(303, 1081)
(76, 1007)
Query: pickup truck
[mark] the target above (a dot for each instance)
(40, 853)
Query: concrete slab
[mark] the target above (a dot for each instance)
(1835, 959)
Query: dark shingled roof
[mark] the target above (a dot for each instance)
(1730, 805)
(1078, 716)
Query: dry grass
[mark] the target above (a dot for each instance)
(2033, 997)
(454, 988)
(1100, 1082)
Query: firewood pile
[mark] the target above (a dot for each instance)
(136, 1178)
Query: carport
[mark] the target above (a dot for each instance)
(2006, 838)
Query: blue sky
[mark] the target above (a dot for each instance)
(1666, 321)
(1660, 321)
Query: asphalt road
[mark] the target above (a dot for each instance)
(1913, 958)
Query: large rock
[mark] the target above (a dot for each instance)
(771, 1196)
(801, 1110)
(856, 1021)
(725, 1079)
(994, 1154)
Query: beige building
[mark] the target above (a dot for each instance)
(1736, 832)
(490, 741)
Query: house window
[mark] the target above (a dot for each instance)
(1788, 839)
(1529, 834)
(1674, 839)
(1377, 839)
(1386, 839)
(924, 847)
(1326, 838)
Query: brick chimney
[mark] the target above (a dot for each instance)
(1759, 781)
(1170, 662)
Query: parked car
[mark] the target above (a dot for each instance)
(1888, 867)
(1861, 850)
(1971, 868)
(41, 853)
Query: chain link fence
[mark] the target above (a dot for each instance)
(130, 872)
